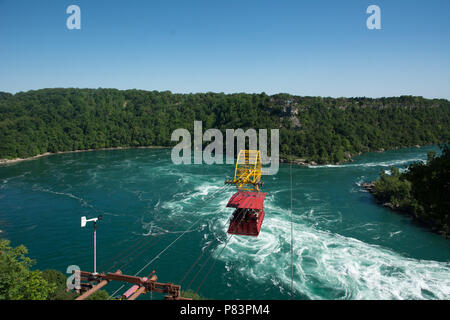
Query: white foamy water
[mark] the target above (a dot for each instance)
(370, 164)
(333, 266)
(65, 194)
(326, 265)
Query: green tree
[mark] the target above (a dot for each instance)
(60, 281)
(17, 282)
(99, 295)
(422, 190)
(192, 295)
(324, 130)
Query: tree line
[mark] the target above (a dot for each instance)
(316, 129)
(421, 191)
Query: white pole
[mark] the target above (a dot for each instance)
(95, 258)
(83, 224)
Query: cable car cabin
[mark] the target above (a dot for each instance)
(249, 214)
(249, 200)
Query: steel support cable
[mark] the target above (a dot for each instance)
(177, 222)
(142, 244)
(114, 293)
(109, 298)
(147, 242)
(220, 253)
(151, 261)
(210, 255)
(147, 245)
(215, 261)
(140, 253)
(292, 241)
(203, 265)
(158, 255)
(138, 241)
(182, 234)
(198, 259)
(120, 253)
(195, 262)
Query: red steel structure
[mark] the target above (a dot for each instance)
(140, 285)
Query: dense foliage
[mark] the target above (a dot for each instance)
(18, 282)
(423, 190)
(323, 130)
(190, 294)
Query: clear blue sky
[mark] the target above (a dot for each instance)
(315, 48)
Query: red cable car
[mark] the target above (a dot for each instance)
(249, 214)
(248, 201)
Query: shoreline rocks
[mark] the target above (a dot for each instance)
(369, 186)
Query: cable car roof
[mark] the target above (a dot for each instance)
(247, 200)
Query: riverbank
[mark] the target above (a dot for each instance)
(46, 154)
(348, 157)
(297, 161)
(406, 209)
(306, 162)
(369, 186)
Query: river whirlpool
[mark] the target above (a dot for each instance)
(346, 246)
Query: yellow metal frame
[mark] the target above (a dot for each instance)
(247, 175)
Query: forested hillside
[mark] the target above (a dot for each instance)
(322, 130)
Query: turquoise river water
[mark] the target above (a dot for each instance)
(346, 246)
